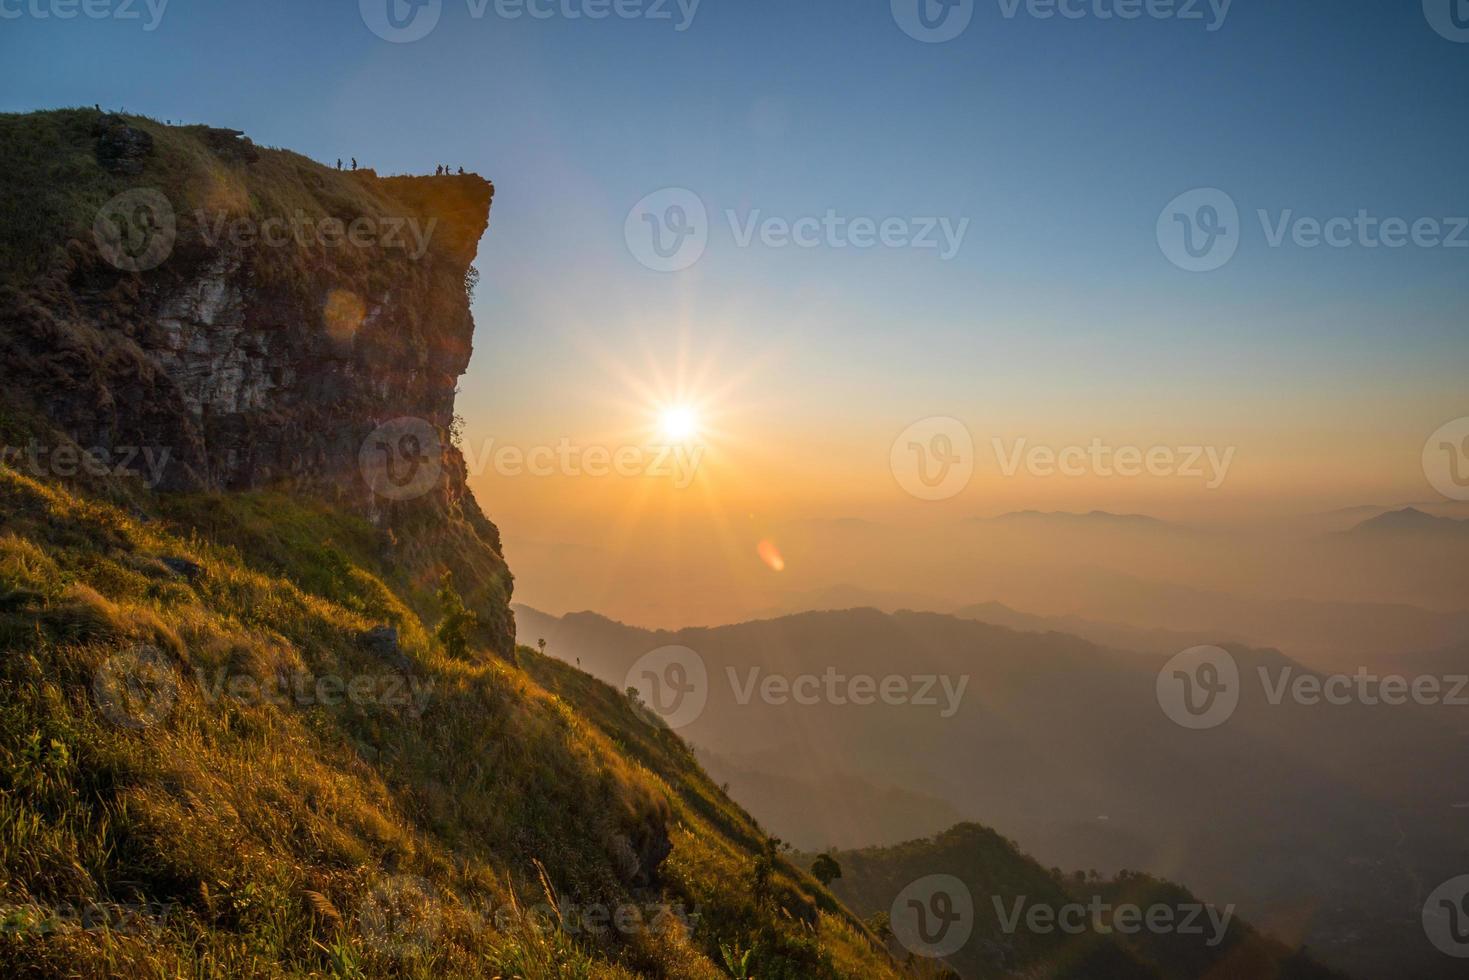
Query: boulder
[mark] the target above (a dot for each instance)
(121, 148)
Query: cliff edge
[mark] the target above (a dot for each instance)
(208, 315)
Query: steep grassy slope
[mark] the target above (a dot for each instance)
(209, 768)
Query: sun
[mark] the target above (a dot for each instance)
(679, 423)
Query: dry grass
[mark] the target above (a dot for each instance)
(350, 839)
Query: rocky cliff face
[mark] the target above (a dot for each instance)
(259, 321)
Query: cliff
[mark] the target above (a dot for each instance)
(243, 733)
(247, 320)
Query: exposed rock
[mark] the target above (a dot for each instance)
(183, 568)
(121, 148)
(640, 855)
(231, 144)
(382, 642)
(293, 365)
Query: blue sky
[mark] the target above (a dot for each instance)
(1059, 140)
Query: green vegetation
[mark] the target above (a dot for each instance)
(163, 770)
(995, 871)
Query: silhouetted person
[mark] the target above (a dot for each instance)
(354, 163)
(461, 171)
(339, 163)
(439, 171)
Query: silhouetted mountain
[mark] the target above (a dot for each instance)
(1095, 518)
(995, 911)
(1063, 745)
(1411, 520)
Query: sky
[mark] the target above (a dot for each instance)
(1060, 315)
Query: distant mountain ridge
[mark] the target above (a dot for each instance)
(1411, 520)
(1062, 744)
(1095, 517)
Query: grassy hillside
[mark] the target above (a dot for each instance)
(1001, 881)
(208, 768)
